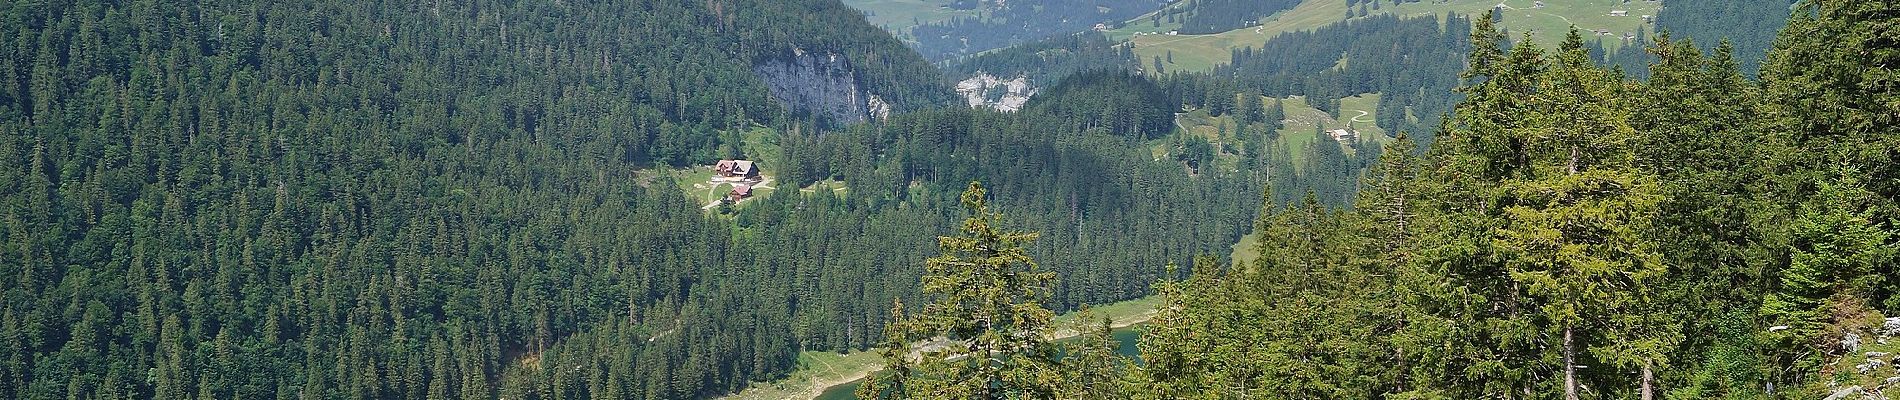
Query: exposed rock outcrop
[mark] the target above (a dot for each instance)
(822, 84)
(985, 90)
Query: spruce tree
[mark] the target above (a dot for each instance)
(1571, 236)
(987, 323)
(1092, 370)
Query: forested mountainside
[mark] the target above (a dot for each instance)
(1573, 233)
(471, 200)
(1409, 65)
(1412, 62)
(1005, 79)
(1578, 233)
(444, 200)
(1046, 62)
(324, 199)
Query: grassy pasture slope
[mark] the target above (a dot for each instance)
(1548, 25)
(1300, 127)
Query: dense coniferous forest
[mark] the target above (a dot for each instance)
(1748, 26)
(383, 200)
(469, 200)
(1114, 101)
(1572, 234)
(442, 200)
(1049, 61)
(1412, 62)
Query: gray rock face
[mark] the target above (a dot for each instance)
(1845, 393)
(821, 84)
(985, 90)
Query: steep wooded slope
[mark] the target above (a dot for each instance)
(387, 199)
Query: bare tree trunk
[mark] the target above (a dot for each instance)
(1572, 166)
(1570, 347)
(1570, 366)
(1649, 383)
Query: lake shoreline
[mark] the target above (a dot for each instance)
(1061, 334)
(1121, 315)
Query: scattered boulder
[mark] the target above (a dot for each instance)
(1845, 393)
(1850, 342)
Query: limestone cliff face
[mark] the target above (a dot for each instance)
(821, 84)
(985, 90)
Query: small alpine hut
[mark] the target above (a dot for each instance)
(738, 170)
(739, 192)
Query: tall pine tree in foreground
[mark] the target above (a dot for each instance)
(1573, 214)
(986, 334)
(1831, 91)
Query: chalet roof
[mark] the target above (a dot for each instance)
(735, 167)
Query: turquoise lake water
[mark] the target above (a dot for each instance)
(1125, 337)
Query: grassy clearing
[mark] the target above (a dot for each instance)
(1357, 112)
(760, 144)
(1120, 313)
(835, 187)
(1244, 250)
(1301, 126)
(1199, 123)
(692, 180)
(1547, 24)
(1141, 27)
(818, 370)
(696, 182)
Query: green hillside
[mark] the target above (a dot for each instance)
(1297, 131)
(1575, 233)
(512, 200)
(1202, 52)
